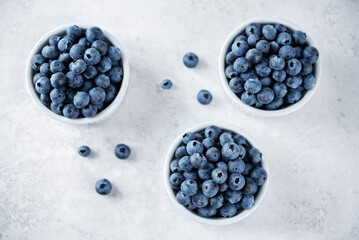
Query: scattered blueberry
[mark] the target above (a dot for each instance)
(103, 186)
(204, 97)
(84, 151)
(122, 151)
(166, 84)
(190, 60)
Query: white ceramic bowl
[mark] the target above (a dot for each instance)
(105, 112)
(214, 221)
(252, 110)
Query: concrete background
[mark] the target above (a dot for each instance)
(47, 190)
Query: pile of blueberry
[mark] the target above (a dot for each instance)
(270, 66)
(216, 173)
(79, 74)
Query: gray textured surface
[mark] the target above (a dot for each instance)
(47, 190)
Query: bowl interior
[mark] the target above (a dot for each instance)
(252, 110)
(220, 220)
(107, 110)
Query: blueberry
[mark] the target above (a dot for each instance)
(265, 96)
(208, 142)
(45, 69)
(74, 80)
(104, 65)
(36, 61)
(111, 92)
(223, 187)
(189, 187)
(298, 51)
(251, 187)
(294, 81)
(293, 96)
(70, 111)
(176, 180)
(236, 84)
(77, 51)
(274, 47)
(73, 32)
(284, 38)
(277, 63)
(307, 67)
(83, 41)
(280, 27)
(92, 56)
(50, 52)
(248, 98)
(230, 58)
(262, 68)
(90, 72)
(187, 137)
(198, 160)
(89, 111)
(81, 99)
(280, 89)
(230, 150)
(185, 164)
(241, 65)
(233, 196)
(174, 166)
(64, 45)
(84, 151)
(275, 104)
(237, 166)
(299, 37)
(266, 81)
(45, 99)
(57, 66)
(228, 210)
(101, 46)
(253, 28)
(43, 85)
(114, 53)
(249, 74)
(240, 38)
(247, 201)
(236, 181)
(198, 137)
(204, 173)
(269, 32)
(294, 66)
(311, 53)
(212, 132)
(78, 67)
(116, 74)
(190, 175)
(97, 95)
(263, 46)
(102, 80)
(213, 154)
(279, 75)
(253, 56)
(58, 79)
(222, 165)
(204, 97)
(207, 212)
(259, 176)
(65, 58)
(309, 82)
(216, 201)
(239, 139)
(253, 39)
(182, 198)
(199, 200)
(190, 60)
(210, 188)
(122, 151)
(93, 34)
(219, 175)
(252, 85)
(57, 95)
(54, 40)
(103, 186)
(287, 52)
(255, 155)
(57, 108)
(247, 170)
(239, 49)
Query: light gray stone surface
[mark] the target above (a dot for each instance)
(47, 190)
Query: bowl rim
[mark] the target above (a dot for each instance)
(252, 110)
(215, 221)
(105, 113)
